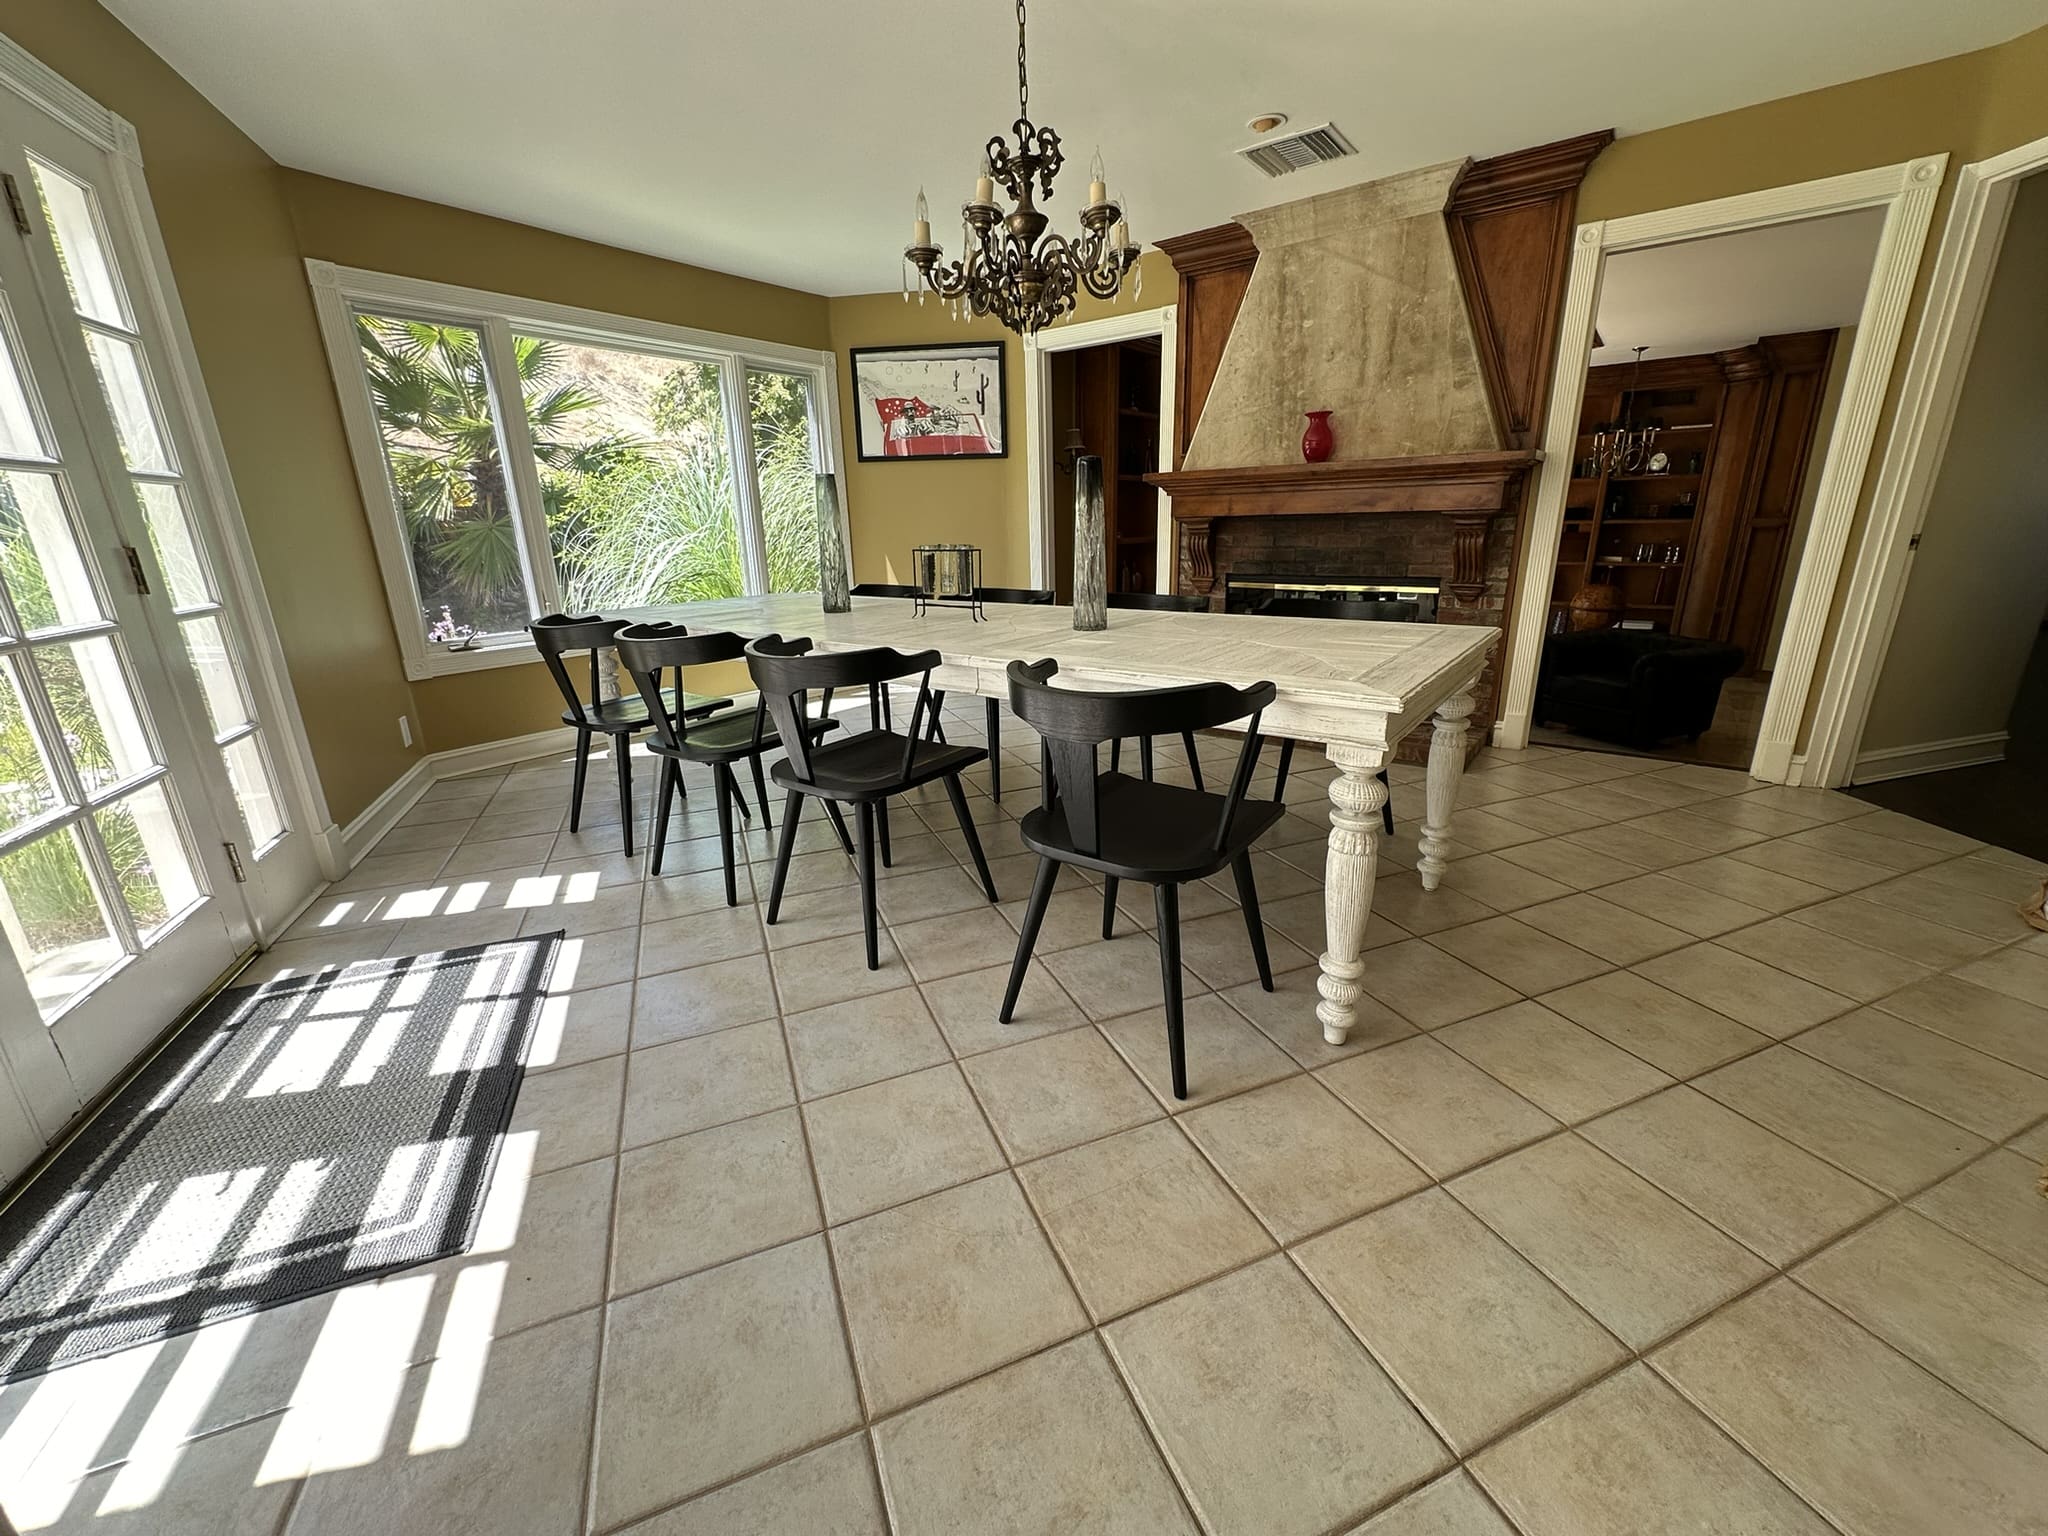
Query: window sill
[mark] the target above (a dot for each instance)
(440, 661)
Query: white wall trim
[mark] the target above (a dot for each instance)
(1928, 398)
(1040, 443)
(1928, 756)
(1907, 192)
(31, 77)
(389, 808)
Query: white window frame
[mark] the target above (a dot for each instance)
(339, 293)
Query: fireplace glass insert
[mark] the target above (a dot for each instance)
(1302, 596)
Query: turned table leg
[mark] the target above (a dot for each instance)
(1348, 872)
(1446, 768)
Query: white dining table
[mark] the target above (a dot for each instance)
(1354, 687)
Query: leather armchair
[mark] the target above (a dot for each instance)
(1633, 685)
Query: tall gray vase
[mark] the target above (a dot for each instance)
(1091, 564)
(832, 578)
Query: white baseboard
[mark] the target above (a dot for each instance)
(382, 813)
(385, 812)
(1929, 757)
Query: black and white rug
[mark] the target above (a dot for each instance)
(302, 1135)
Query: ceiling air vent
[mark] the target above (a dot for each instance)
(1292, 151)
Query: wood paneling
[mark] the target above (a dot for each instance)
(1215, 267)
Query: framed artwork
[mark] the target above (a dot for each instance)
(943, 401)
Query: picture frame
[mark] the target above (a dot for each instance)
(935, 400)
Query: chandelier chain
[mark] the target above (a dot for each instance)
(1023, 79)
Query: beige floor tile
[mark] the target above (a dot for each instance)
(1636, 845)
(596, 960)
(705, 1080)
(1305, 919)
(826, 1492)
(694, 1201)
(676, 943)
(1287, 1016)
(1826, 959)
(1746, 990)
(1856, 1429)
(1922, 895)
(1519, 956)
(947, 1287)
(1108, 980)
(1050, 1093)
(844, 1045)
(1707, 834)
(1630, 1457)
(1218, 950)
(928, 893)
(1436, 1106)
(805, 917)
(1921, 834)
(711, 1376)
(1138, 1216)
(1815, 804)
(1551, 817)
(1670, 1032)
(499, 853)
(963, 941)
(1495, 882)
(1299, 1158)
(1872, 840)
(1985, 877)
(1450, 1506)
(2019, 972)
(575, 1027)
(572, 1112)
(1976, 1091)
(1568, 1072)
(1224, 1053)
(1401, 899)
(1631, 1255)
(1074, 916)
(1991, 1022)
(1690, 908)
(1878, 1138)
(1050, 1444)
(1832, 871)
(1428, 986)
(1570, 863)
(1996, 1204)
(1467, 1328)
(1878, 926)
(1600, 927)
(832, 970)
(1751, 884)
(895, 1140)
(1480, 831)
(965, 1007)
(1757, 1187)
(224, 1482)
(1274, 1417)
(1969, 1318)
(677, 1004)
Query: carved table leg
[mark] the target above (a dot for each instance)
(1446, 768)
(1348, 872)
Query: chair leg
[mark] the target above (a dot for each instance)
(1145, 758)
(582, 770)
(959, 799)
(865, 814)
(1167, 896)
(792, 808)
(730, 787)
(995, 750)
(838, 825)
(1286, 762)
(1387, 805)
(1034, 915)
(761, 791)
(1254, 927)
(882, 826)
(1109, 886)
(620, 750)
(664, 786)
(1187, 739)
(727, 793)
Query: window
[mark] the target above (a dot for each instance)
(519, 458)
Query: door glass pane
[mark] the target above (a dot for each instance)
(119, 365)
(432, 396)
(40, 558)
(637, 469)
(177, 552)
(226, 705)
(27, 787)
(255, 789)
(147, 851)
(52, 918)
(81, 241)
(779, 415)
(96, 711)
(19, 436)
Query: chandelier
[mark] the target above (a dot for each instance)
(1620, 447)
(1010, 266)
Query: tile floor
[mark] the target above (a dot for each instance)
(1680, 1175)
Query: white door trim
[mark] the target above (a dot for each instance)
(1039, 443)
(1907, 193)
(1928, 397)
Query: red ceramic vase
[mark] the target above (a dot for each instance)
(1316, 441)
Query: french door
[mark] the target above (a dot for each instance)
(143, 837)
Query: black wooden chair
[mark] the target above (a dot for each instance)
(718, 742)
(1130, 829)
(878, 696)
(557, 635)
(994, 714)
(862, 770)
(1386, 610)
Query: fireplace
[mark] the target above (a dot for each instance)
(1248, 594)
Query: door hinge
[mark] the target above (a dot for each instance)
(135, 569)
(235, 863)
(16, 206)
(1913, 542)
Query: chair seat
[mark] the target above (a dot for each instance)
(628, 712)
(869, 766)
(1151, 831)
(728, 736)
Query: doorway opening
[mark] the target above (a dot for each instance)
(1105, 402)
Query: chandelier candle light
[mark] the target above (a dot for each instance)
(1010, 266)
(1622, 448)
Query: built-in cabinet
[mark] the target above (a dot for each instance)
(1116, 407)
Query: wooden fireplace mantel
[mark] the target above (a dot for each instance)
(1470, 488)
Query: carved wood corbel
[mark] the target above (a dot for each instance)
(1468, 558)
(1198, 552)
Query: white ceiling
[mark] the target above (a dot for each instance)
(1704, 295)
(785, 139)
